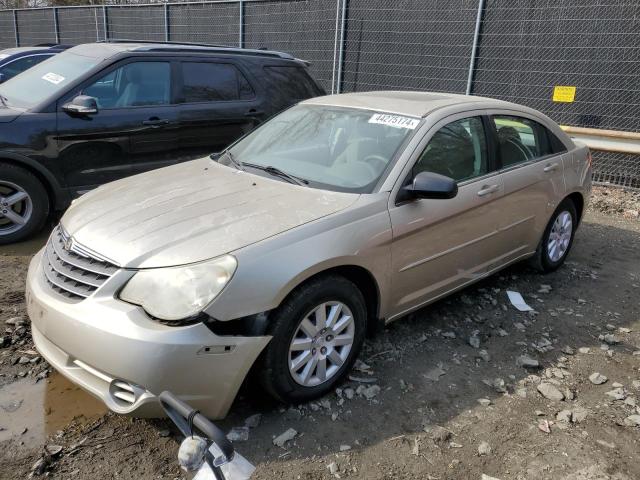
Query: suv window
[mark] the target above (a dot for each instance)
(520, 139)
(293, 81)
(12, 69)
(458, 150)
(136, 84)
(211, 82)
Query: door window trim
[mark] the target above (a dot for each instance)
(180, 73)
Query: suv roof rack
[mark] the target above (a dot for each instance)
(155, 45)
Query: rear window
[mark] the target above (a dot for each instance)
(214, 82)
(293, 81)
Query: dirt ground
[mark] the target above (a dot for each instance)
(442, 394)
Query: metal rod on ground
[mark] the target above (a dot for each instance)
(474, 47)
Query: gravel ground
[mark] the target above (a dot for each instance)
(464, 388)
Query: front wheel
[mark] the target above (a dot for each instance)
(557, 238)
(317, 334)
(24, 204)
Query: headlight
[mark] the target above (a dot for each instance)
(176, 293)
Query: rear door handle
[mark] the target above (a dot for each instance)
(488, 189)
(155, 122)
(550, 167)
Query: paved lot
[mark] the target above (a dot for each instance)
(418, 415)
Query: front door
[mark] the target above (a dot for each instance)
(218, 106)
(440, 245)
(134, 130)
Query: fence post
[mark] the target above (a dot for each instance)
(241, 26)
(166, 22)
(474, 47)
(105, 23)
(56, 25)
(15, 27)
(343, 28)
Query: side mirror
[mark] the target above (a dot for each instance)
(431, 185)
(81, 105)
(2, 78)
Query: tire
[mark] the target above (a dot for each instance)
(32, 209)
(335, 294)
(547, 259)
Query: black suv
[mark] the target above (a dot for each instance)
(102, 111)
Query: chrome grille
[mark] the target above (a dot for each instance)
(71, 270)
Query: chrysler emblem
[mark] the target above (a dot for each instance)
(68, 244)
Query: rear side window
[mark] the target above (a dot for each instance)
(214, 82)
(293, 82)
(520, 140)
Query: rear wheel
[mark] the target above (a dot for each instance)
(317, 334)
(557, 238)
(24, 204)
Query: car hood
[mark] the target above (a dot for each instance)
(8, 114)
(191, 212)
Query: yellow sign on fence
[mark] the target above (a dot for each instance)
(563, 93)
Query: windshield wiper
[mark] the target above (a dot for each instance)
(276, 172)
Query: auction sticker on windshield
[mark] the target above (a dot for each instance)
(397, 121)
(53, 78)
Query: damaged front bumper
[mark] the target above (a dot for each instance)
(117, 353)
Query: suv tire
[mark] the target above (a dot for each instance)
(557, 239)
(26, 216)
(331, 309)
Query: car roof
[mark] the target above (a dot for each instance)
(113, 47)
(412, 103)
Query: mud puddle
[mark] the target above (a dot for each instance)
(29, 412)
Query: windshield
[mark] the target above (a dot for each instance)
(334, 148)
(45, 79)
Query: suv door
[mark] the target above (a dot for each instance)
(134, 130)
(440, 245)
(531, 164)
(218, 105)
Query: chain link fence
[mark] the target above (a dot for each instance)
(524, 48)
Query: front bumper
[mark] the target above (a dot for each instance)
(115, 352)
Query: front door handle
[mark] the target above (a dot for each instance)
(488, 189)
(155, 122)
(550, 167)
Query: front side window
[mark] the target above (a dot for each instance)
(46, 79)
(458, 150)
(520, 140)
(12, 69)
(335, 148)
(214, 82)
(137, 84)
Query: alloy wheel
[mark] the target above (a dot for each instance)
(321, 344)
(16, 207)
(560, 236)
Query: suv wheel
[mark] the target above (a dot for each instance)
(24, 204)
(317, 335)
(557, 238)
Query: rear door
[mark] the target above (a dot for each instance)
(532, 167)
(134, 130)
(218, 104)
